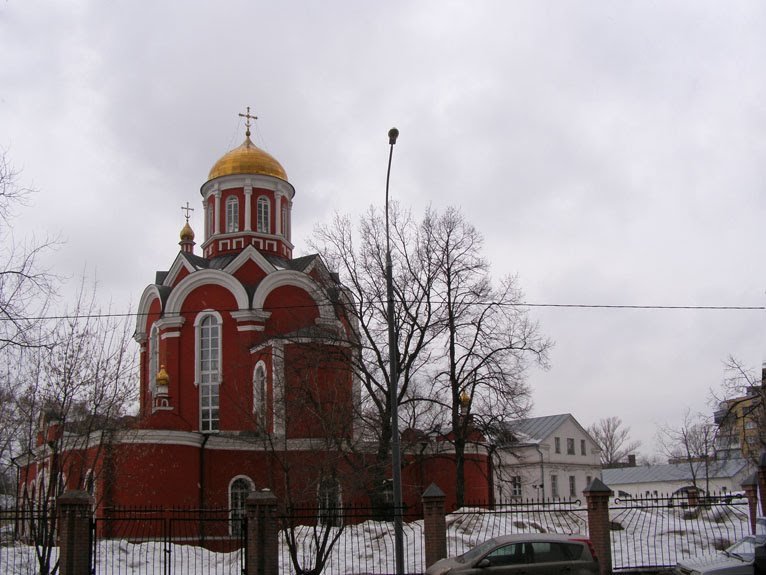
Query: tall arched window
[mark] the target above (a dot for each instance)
(329, 501)
(154, 357)
(232, 214)
(264, 215)
(239, 489)
(210, 220)
(285, 223)
(208, 370)
(259, 396)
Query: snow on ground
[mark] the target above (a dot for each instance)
(657, 536)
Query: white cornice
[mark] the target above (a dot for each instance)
(257, 181)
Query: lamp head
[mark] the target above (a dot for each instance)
(393, 133)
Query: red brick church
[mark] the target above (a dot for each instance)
(246, 378)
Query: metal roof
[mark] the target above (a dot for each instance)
(672, 472)
(536, 429)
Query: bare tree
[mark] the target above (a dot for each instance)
(488, 340)
(613, 439)
(359, 256)
(71, 398)
(464, 343)
(25, 289)
(741, 413)
(692, 442)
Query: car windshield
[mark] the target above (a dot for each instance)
(745, 549)
(477, 551)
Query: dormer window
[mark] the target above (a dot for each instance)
(263, 223)
(232, 214)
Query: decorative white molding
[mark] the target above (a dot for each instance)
(217, 213)
(248, 207)
(202, 278)
(256, 181)
(296, 279)
(170, 334)
(278, 387)
(247, 254)
(150, 293)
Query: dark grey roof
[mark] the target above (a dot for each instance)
(672, 472)
(536, 429)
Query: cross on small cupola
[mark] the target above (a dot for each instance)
(248, 117)
(187, 234)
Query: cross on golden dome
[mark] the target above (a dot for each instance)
(187, 209)
(248, 117)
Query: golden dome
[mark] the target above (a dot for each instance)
(247, 159)
(162, 376)
(187, 233)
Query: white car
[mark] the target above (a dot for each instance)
(739, 559)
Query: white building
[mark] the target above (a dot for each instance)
(663, 480)
(545, 457)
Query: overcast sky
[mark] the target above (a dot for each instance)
(610, 152)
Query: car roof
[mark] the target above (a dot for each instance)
(516, 537)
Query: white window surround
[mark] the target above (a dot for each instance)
(263, 215)
(154, 357)
(197, 322)
(208, 391)
(232, 214)
(260, 395)
(240, 487)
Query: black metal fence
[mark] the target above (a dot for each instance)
(361, 538)
(656, 532)
(473, 524)
(28, 542)
(132, 541)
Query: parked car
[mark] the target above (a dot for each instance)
(739, 559)
(530, 553)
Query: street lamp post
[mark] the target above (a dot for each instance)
(393, 351)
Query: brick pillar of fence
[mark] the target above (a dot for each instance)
(434, 525)
(74, 514)
(762, 482)
(597, 495)
(262, 534)
(750, 485)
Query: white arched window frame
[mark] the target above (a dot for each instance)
(154, 357)
(207, 376)
(263, 215)
(239, 488)
(330, 501)
(210, 219)
(260, 396)
(232, 214)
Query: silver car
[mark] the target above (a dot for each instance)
(739, 559)
(530, 553)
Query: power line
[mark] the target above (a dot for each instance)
(501, 304)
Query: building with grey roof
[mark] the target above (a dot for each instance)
(545, 457)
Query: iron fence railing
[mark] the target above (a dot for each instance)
(362, 540)
(658, 531)
(473, 524)
(133, 541)
(28, 543)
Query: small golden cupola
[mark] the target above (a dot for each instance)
(187, 233)
(248, 201)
